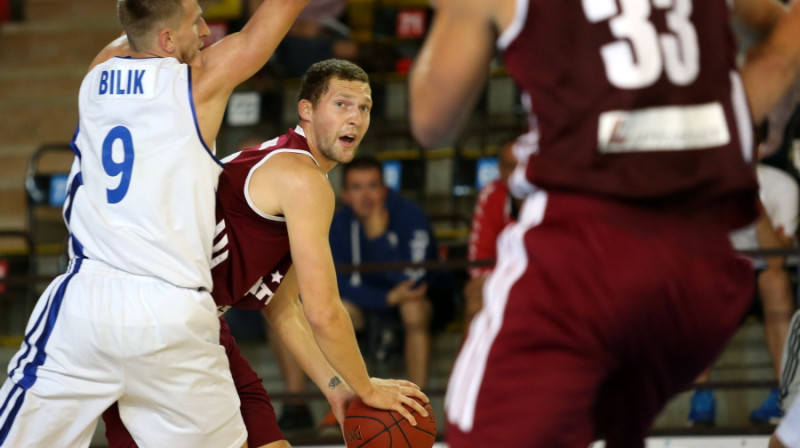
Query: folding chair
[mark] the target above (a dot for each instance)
(18, 289)
(46, 188)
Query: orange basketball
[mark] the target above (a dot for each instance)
(367, 427)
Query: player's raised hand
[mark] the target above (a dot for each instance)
(395, 395)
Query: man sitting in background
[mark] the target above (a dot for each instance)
(378, 225)
(775, 229)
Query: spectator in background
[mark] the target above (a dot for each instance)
(495, 208)
(775, 229)
(378, 225)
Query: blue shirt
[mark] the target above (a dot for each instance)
(408, 238)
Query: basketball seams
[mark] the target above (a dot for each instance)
(371, 418)
(400, 428)
(361, 420)
(385, 429)
(417, 428)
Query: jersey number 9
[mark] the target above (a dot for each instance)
(123, 167)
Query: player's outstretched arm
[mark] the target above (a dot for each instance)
(238, 56)
(450, 70)
(306, 199)
(772, 65)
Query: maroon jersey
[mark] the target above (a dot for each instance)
(635, 100)
(250, 261)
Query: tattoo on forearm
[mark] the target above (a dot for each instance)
(335, 381)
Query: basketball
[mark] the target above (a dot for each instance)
(367, 427)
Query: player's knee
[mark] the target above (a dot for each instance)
(416, 314)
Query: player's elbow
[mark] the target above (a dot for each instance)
(322, 318)
(426, 129)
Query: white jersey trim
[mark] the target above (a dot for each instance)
(470, 367)
(247, 197)
(213, 150)
(513, 30)
(741, 111)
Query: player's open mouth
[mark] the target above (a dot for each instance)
(347, 139)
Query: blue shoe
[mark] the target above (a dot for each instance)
(703, 408)
(769, 412)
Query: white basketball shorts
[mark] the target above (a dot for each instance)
(98, 335)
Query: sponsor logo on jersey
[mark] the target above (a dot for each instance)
(664, 128)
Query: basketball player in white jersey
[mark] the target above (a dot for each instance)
(133, 320)
(275, 206)
(618, 284)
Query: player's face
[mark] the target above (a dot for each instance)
(341, 118)
(191, 32)
(364, 191)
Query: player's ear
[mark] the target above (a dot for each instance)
(166, 40)
(305, 110)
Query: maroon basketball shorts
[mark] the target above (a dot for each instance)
(257, 411)
(596, 315)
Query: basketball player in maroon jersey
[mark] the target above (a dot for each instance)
(274, 209)
(618, 283)
(277, 206)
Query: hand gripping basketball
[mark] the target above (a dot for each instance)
(367, 427)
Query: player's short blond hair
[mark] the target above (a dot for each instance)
(139, 18)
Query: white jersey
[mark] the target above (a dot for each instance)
(141, 192)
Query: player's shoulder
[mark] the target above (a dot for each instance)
(296, 174)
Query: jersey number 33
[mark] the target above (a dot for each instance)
(641, 53)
